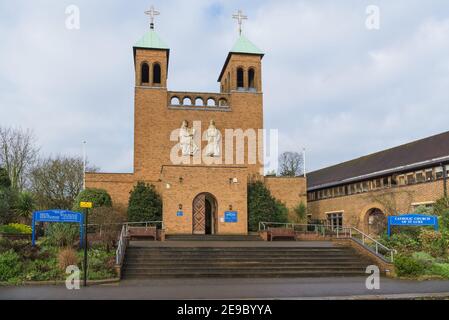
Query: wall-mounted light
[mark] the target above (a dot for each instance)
(180, 206)
(168, 185)
(230, 207)
(181, 179)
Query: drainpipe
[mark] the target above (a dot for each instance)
(444, 180)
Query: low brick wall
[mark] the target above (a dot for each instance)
(384, 266)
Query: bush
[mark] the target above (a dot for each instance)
(25, 205)
(300, 212)
(7, 200)
(433, 242)
(408, 266)
(262, 206)
(98, 197)
(10, 265)
(441, 269)
(61, 234)
(15, 228)
(67, 257)
(145, 203)
(5, 182)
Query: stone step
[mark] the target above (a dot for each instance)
(275, 263)
(252, 274)
(213, 237)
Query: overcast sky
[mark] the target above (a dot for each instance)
(330, 84)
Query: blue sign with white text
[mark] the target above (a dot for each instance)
(230, 216)
(179, 214)
(412, 220)
(57, 216)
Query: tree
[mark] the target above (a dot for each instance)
(291, 164)
(110, 223)
(98, 197)
(57, 181)
(7, 199)
(145, 203)
(441, 209)
(17, 155)
(25, 205)
(300, 212)
(5, 182)
(263, 207)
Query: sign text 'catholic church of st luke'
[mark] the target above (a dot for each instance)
(199, 149)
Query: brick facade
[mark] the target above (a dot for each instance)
(156, 117)
(355, 208)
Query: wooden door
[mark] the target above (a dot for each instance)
(199, 214)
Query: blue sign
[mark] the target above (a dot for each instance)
(412, 220)
(57, 216)
(230, 216)
(179, 213)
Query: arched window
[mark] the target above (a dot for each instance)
(211, 102)
(251, 80)
(145, 73)
(240, 83)
(175, 101)
(157, 73)
(199, 102)
(187, 101)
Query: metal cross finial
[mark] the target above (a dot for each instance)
(240, 17)
(152, 13)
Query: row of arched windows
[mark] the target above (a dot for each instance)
(145, 73)
(199, 102)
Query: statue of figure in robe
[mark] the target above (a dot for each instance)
(188, 145)
(213, 138)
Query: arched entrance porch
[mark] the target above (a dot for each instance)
(375, 222)
(204, 214)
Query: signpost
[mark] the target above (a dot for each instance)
(412, 220)
(86, 206)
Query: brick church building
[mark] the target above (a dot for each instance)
(199, 149)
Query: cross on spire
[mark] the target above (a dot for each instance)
(240, 17)
(152, 13)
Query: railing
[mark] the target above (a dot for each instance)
(121, 247)
(340, 233)
(122, 242)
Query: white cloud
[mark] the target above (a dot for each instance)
(330, 84)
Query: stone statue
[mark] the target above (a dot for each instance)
(213, 138)
(186, 134)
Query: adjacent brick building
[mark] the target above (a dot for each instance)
(201, 193)
(363, 191)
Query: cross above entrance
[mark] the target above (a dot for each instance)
(152, 13)
(240, 17)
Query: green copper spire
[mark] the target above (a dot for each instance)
(151, 40)
(243, 45)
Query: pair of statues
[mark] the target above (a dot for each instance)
(190, 148)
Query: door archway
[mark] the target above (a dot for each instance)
(375, 221)
(204, 216)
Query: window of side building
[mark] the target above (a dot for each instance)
(439, 173)
(411, 178)
(420, 177)
(335, 220)
(429, 174)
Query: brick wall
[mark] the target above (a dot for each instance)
(289, 190)
(356, 207)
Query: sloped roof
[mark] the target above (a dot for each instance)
(243, 45)
(151, 40)
(417, 152)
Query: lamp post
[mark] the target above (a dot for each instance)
(84, 165)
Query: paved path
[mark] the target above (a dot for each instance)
(305, 288)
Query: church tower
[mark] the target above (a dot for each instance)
(151, 56)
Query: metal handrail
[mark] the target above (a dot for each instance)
(341, 232)
(121, 247)
(122, 242)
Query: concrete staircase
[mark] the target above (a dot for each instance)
(246, 262)
(210, 237)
